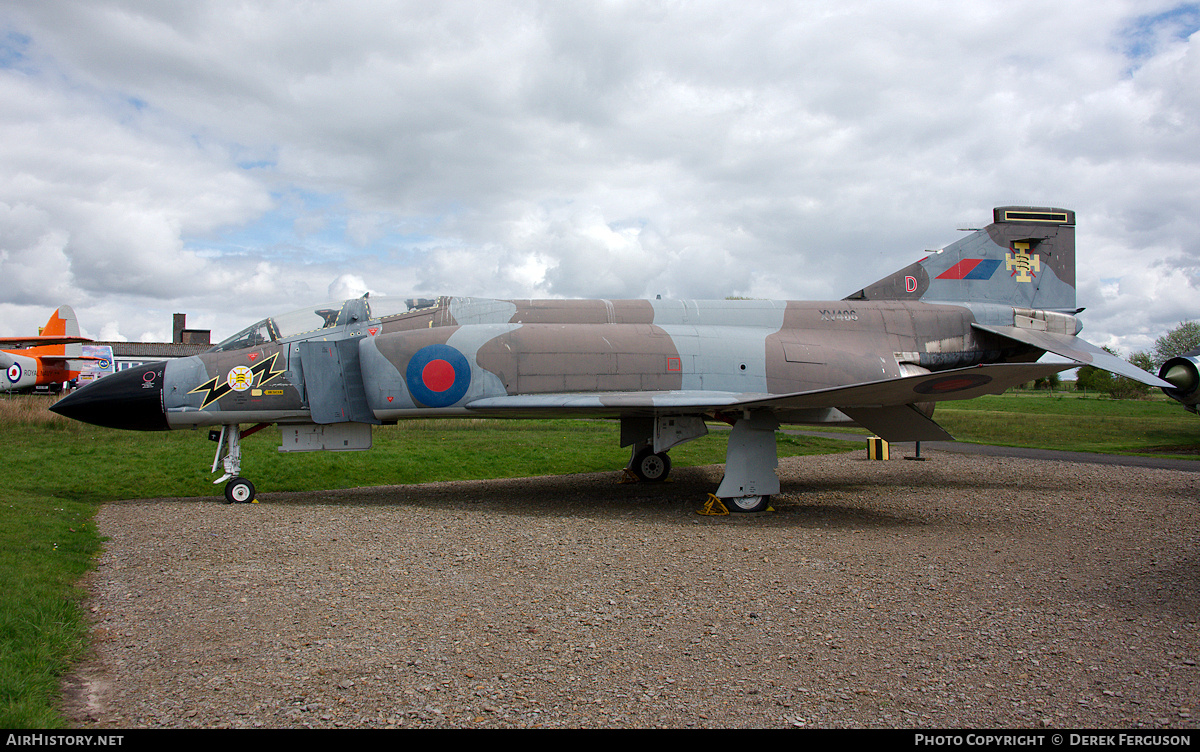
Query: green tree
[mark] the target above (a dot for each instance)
(1096, 379)
(1124, 387)
(1093, 379)
(1179, 340)
(1049, 383)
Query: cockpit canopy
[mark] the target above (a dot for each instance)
(321, 316)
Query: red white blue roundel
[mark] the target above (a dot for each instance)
(14, 372)
(438, 376)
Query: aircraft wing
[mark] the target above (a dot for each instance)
(681, 401)
(884, 407)
(33, 341)
(960, 383)
(955, 384)
(1070, 346)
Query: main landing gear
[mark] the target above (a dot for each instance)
(750, 459)
(650, 466)
(238, 490)
(750, 462)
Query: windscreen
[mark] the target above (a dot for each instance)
(321, 316)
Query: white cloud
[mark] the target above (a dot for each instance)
(111, 332)
(227, 158)
(348, 286)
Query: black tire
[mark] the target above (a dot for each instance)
(746, 504)
(650, 467)
(239, 491)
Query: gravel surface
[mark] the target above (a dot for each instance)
(957, 592)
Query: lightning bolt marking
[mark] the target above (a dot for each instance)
(217, 387)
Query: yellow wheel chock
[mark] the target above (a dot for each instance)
(714, 506)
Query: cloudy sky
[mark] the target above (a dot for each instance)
(232, 159)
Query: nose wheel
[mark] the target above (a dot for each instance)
(239, 491)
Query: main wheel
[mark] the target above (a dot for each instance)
(747, 503)
(239, 491)
(650, 467)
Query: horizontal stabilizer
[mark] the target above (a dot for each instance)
(1070, 346)
(73, 362)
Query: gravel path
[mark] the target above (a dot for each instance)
(957, 592)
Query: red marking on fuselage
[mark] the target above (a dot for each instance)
(438, 375)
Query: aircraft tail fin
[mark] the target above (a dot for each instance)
(62, 323)
(1025, 258)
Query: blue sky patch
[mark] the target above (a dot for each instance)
(13, 47)
(1141, 40)
(307, 226)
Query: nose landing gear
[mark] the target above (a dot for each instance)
(238, 490)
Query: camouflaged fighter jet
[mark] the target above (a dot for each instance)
(968, 320)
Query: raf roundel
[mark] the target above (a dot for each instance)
(438, 376)
(14, 372)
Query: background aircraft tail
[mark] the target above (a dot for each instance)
(62, 323)
(1025, 258)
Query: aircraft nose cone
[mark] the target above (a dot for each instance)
(130, 399)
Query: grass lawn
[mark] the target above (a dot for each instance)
(58, 472)
(1074, 422)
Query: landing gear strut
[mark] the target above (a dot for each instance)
(750, 461)
(229, 455)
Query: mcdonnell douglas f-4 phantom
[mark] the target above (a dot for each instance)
(970, 319)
